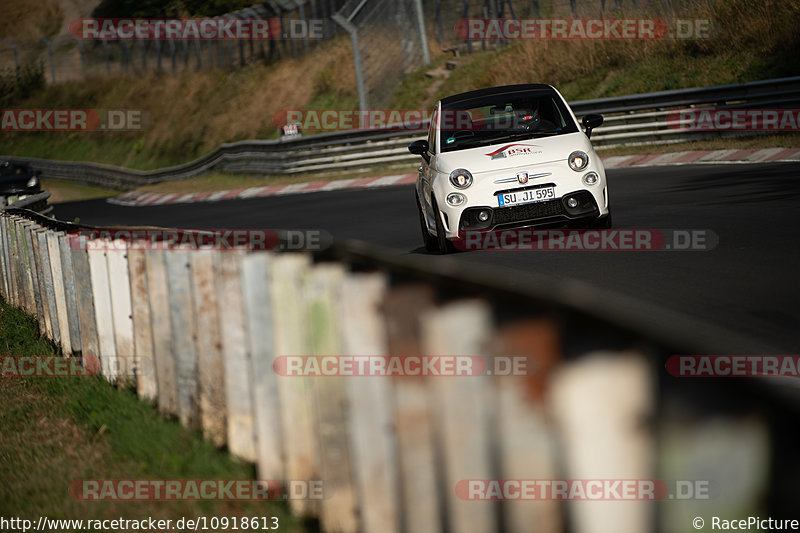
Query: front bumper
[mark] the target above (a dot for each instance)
(482, 196)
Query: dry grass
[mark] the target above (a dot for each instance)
(28, 19)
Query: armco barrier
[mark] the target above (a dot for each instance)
(204, 328)
(631, 120)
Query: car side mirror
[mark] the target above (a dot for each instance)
(421, 148)
(591, 122)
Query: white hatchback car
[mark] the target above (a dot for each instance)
(507, 157)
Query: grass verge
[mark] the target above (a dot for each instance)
(58, 430)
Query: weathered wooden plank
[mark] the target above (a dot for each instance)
(181, 310)
(83, 295)
(101, 292)
(13, 259)
(51, 314)
(29, 300)
(70, 297)
(599, 404)
(258, 312)
(419, 471)
(37, 290)
(119, 284)
(238, 385)
(57, 274)
(4, 269)
(210, 367)
(462, 328)
(296, 395)
(157, 287)
(526, 443)
(371, 407)
(25, 271)
(323, 293)
(146, 384)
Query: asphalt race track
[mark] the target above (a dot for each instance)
(749, 283)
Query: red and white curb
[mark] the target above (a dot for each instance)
(146, 199)
(624, 161)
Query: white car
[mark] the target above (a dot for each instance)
(507, 157)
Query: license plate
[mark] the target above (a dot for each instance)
(526, 197)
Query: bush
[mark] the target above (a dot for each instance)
(17, 85)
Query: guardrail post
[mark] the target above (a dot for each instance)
(101, 291)
(122, 314)
(599, 404)
(83, 296)
(157, 287)
(526, 443)
(3, 260)
(43, 265)
(296, 394)
(57, 275)
(19, 262)
(238, 386)
(29, 303)
(371, 409)
(181, 311)
(146, 385)
(258, 311)
(73, 324)
(461, 409)
(421, 506)
(208, 347)
(323, 292)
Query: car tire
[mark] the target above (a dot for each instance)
(431, 243)
(443, 243)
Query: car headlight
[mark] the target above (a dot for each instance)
(461, 178)
(33, 182)
(591, 178)
(578, 160)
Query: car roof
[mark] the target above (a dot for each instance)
(494, 91)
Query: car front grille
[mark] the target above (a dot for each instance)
(521, 213)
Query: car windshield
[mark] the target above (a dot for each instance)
(503, 117)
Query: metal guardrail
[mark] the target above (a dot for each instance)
(201, 332)
(630, 120)
(34, 202)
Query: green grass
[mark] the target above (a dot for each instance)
(58, 430)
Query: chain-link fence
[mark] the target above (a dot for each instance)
(67, 58)
(389, 42)
(391, 38)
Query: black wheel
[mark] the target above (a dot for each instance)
(444, 245)
(431, 244)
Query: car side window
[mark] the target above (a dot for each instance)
(432, 132)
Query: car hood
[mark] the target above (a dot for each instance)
(513, 154)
